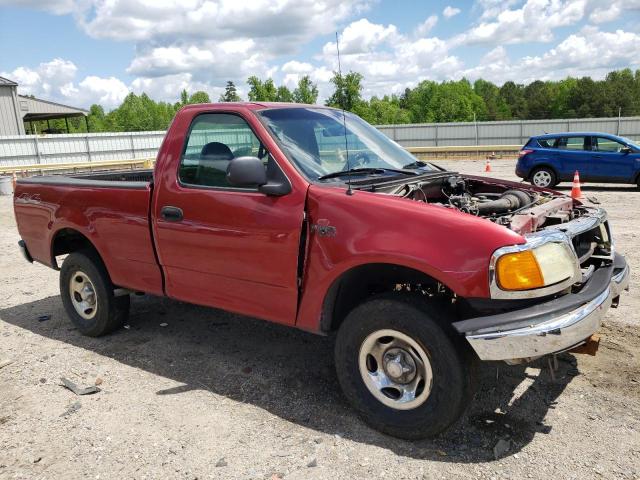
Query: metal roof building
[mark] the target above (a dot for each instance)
(16, 109)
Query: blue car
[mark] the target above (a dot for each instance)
(547, 160)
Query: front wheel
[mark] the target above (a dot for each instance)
(87, 295)
(399, 368)
(544, 177)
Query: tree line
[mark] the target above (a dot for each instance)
(427, 102)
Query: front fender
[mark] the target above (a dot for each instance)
(453, 248)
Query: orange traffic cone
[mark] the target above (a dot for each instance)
(575, 188)
(487, 166)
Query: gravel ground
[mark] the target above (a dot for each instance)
(214, 395)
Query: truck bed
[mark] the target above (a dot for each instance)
(110, 209)
(111, 179)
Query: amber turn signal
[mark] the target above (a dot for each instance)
(519, 271)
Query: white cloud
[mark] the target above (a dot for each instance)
(297, 67)
(54, 80)
(57, 7)
(361, 36)
(108, 91)
(213, 40)
(533, 22)
(389, 60)
(589, 52)
(450, 11)
(168, 87)
(425, 27)
(200, 44)
(604, 11)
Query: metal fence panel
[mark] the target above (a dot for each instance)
(47, 149)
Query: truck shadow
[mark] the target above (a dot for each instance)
(290, 374)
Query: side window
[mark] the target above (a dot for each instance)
(214, 140)
(571, 143)
(603, 144)
(547, 142)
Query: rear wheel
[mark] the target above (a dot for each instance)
(399, 368)
(544, 177)
(88, 295)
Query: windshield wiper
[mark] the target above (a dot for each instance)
(364, 171)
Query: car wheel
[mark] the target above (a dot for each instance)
(400, 370)
(87, 295)
(544, 177)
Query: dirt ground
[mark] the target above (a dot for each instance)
(214, 395)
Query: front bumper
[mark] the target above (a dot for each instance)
(550, 327)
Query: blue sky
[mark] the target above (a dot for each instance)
(96, 51)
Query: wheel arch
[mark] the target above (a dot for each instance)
(354, 285)
(68, 240)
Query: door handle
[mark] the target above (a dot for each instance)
(171, 214)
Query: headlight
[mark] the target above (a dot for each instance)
(543, 266)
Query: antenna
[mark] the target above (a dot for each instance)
(344, 120)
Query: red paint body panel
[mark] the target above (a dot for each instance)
(235, 250)
(239, 250)
(376, 228)
(114, 220)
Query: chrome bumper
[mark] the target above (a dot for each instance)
(553, 333)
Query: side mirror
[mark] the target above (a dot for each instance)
(246, 172)
(250, 172)
(626, 150)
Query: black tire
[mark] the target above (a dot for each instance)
(111, 312)
(451, 362)
(553, 178)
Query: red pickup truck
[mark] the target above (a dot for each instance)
(309, 217)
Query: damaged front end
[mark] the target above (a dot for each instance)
(521, 208)
(548, 294)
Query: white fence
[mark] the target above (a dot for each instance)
(503, 133)
(78, 147)
(95, 147)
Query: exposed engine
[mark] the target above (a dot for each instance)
(524, 210)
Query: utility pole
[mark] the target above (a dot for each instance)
(476, 127)
(619, 115)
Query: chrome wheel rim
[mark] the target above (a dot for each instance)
(542, 179)
(83, 295)
(395, 369)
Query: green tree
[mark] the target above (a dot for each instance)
(383, 111)
(96, 118)
(496, 107)
(230, 93)
(283, 94)
(348, 91)
(513, 96)
(306, 91)
(260, 91)
(199, 97)
(184, 97)
(417, 101)
(456, 102)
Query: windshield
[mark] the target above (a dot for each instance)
(314, 139)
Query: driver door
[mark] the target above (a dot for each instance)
(226, 247)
